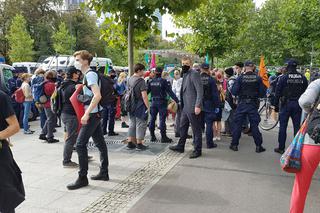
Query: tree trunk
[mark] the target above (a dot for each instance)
(130, 45)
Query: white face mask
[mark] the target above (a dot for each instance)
(77, 65)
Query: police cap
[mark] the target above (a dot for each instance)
(292, 63)
(205, 66)
(248, 64)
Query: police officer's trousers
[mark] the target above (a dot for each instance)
(208, 118)
(160, 108)
(244, 110)
(290, 109)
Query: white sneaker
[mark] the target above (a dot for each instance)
(218, 138)
(214, 139)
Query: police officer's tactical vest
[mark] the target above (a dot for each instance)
(249, 86)
(207, 91)
(294, 88)
(157, 89)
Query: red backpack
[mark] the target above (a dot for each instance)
(19, 96)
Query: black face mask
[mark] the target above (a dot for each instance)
(112, 76)
(185, 68)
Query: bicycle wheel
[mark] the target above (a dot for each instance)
(267, 122)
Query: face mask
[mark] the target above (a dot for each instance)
(158, 75)
(185, 68)
(77, 65)
(113, 76)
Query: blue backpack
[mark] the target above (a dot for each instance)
(38, 93)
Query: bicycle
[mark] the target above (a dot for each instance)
(268, 118)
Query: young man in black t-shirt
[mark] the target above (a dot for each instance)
(68, 115)
(11, 186)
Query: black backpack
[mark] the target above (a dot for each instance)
(106, 84)
(57, 100)
(129, 98)
(313, 128)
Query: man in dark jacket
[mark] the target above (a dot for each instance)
(191, 105)
(288, 91)
(68, 115)
(211, 103)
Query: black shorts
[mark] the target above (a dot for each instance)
(218, 115)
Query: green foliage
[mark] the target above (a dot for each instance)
(235, 31)
(20, 41)
(214, 25)
(84, 28)
(119, 56)
(137, 14)
(63, 42)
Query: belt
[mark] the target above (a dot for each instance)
(248, 100)
(158, 99)
(3, 143)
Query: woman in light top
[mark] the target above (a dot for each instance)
(310, 154)
(26, 88)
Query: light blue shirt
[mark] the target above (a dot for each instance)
(92, 79)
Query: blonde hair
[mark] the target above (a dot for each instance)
(39, 71)
(164, 74)
(25, 76)
(122, 77)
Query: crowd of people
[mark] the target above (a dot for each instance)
(218, 102)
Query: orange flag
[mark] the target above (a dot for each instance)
(263, 72)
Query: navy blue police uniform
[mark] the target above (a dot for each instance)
(249, 88)
(159, 89)
(288, 91)
(15, 83)
(211, 104)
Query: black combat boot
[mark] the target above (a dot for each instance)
(153, 137)
(165, 139)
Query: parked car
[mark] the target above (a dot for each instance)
(5, 75)
(26, 67)
(61, 62)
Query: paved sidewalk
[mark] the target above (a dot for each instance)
(45, 179)
(158, 180)
(223, 181)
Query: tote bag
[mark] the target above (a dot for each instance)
(290, 161)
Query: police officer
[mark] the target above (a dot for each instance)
(210, 103)
(159, 89)
(288, 91)
(249, 88)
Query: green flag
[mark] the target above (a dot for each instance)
(106, 69)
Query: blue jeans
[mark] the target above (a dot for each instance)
(26, 112)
